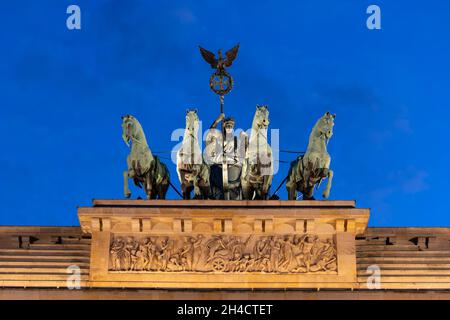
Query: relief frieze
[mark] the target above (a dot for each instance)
(223, 254)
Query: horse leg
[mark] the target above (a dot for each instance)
(291, 185)
(126, 191)
(245, 191)
(261, 194)
(268, 179)
(185, 189)
(326, 192)
(155, 190)
(266, 187)
(148, 188)
(252, 192)
(205, 182)
(256, 192)
(163, 190)
(309, 193)
(154, 193)
(291, 191)
(197, 191)
(264, 196)
(188, 191)
(205, 191)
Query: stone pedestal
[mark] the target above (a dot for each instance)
(223, 244)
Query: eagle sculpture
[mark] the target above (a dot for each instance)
(220, 63)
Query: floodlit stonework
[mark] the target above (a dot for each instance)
(209, 249)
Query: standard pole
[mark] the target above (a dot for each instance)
(226, 193)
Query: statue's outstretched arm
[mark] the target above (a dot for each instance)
(216, 122)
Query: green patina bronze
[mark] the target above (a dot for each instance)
(257, 168)
(193, 172)
(308, 171)
(145, 169)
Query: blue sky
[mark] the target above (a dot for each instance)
(63, 92)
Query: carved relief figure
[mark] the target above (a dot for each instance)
(117, 254)
(197, 250)
(275, 248)
(287, 253)
(164, 254)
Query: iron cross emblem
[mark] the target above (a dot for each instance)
(220, 82)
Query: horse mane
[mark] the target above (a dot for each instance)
(251, 151)
(186, 139)
(139, 129)
(313, 135)
(256, 130)
(255, 118)
(143, 138)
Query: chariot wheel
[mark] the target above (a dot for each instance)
(219, 264)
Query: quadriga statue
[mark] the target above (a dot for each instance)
(144, 168)
(309, 170)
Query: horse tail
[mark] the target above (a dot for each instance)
(161, 172)
(294, 169)
(165, 171)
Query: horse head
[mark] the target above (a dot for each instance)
(128, 128)
(192, 121)
(261, 118)
(325, 126)
(132, 130)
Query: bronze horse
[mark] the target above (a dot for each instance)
(193, 173)
(144, 168)
(257, 169)
(309, 170)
